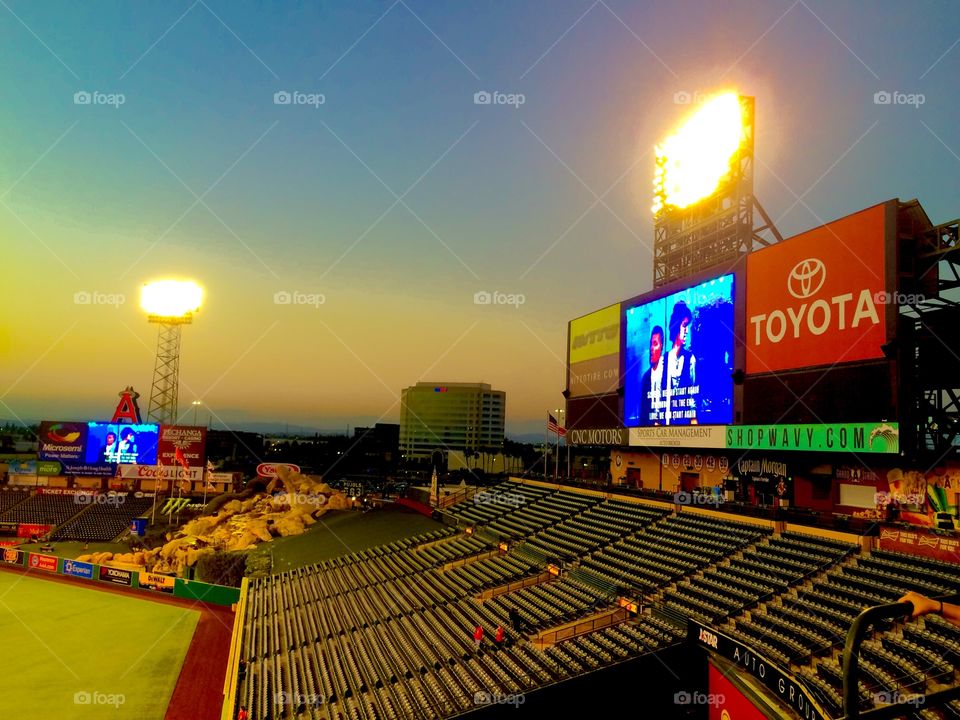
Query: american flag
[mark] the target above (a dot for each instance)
(553, 427)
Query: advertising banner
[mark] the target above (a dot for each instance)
(65, 491)
(155, 581)
(89, 470)
(594, 353)
(769, 476)
(78, 569)
(48, 467)
(678, 357)
(224, 477)
(269, 470)
(919, 542)
(138, 526)
(64, 441)
(597, 436)
(116, 575)
(191, 441)
(161, 472)
(22, 467)
(28, 530)
(8, 528)
(727, 702)
(12, 557)
(829, 437)
(781, 683)
(43, 562)
(689, 436)
(819, 298)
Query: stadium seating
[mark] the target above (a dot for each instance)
(44, 510)
(388, 632)
(102, 522)
(10, 497)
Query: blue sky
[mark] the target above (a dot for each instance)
(199, 173)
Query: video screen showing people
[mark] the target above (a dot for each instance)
(123, 444)
(678, 357)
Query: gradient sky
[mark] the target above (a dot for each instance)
(550, 199)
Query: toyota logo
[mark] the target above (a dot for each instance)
(806, 278)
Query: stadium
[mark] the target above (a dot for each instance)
(746, 554)
(745, 504)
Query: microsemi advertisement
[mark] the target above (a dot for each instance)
(62, 440)
(678, 357)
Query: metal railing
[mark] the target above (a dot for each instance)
(851, 664)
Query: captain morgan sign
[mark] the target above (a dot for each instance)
(819, 298)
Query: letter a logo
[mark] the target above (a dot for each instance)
(127, 409)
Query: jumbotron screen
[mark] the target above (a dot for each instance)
(122, 443)
(678, 357)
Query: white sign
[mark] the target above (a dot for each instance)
(686, 436)
(161, 472)
(269, 470)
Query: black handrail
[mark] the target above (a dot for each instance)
(851, 662)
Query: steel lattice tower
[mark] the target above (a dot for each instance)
(164, 392)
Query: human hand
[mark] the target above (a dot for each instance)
(922, 605)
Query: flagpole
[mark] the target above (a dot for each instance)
(556, 460)
(546, 443)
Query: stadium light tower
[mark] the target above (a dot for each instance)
(703, 203)
(171, 305)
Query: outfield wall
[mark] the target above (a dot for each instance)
(124, 577)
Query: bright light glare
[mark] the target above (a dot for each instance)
(691, 163)
(171, 298)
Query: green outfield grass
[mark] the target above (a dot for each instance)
(342, 533)
(74, 652)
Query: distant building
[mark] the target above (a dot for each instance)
(465, 417)
(376, 449)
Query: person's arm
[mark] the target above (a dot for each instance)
(923, 605)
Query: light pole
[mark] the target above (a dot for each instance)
(171, 305)
(196, 406)
(560, 424)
